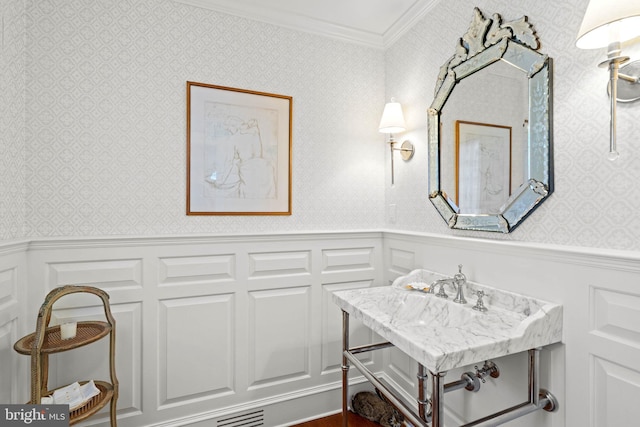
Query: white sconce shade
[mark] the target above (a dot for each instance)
(608, 21)
(392, 120)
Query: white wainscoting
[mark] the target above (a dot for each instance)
(211, 328)
(594, 373)
(208, 327)
(13, 273)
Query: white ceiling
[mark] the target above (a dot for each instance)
(374, 23)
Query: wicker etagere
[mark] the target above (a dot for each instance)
(46, 340)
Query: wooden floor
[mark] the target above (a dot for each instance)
(336, 421)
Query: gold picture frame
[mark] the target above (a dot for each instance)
(238, 151)
(483, 166)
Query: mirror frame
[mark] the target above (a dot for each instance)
(489, 40)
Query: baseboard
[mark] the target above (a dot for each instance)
(277, 411)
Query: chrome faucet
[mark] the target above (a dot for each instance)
(460, 280)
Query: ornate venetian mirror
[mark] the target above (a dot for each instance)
(490, 139)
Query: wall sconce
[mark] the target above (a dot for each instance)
(608, 23)
(392, 121)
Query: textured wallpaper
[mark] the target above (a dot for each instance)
(92, 121)
(12, 137)
(596, 202)
(106, 114)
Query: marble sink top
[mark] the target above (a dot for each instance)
(441, 334)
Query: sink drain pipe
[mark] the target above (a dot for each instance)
(468, 380)
(538, 399)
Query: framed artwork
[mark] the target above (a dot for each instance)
(483, 167)
(238, 151)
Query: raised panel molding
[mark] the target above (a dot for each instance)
(196, 269)
(401, 261)
(347, 259)
(105, 274)
(9, 314)
(402, 368)
(616, 315)
(279, 331)
(8, 371)
(7, 286)
(279, 264)
(596, 364)
(92, 361)
(8, 296)
(614, 394)
(196, 348)
(568, 255)
(332, 328)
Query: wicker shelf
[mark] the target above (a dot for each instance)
(86, 333)
(93, 405)
(46, 340)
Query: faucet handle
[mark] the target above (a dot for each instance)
(480, 304)
(441, 293)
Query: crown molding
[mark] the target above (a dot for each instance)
(320, 27)
(408, 19)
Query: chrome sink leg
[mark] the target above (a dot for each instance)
(345, 369)
(423, 402)
(534, 379)
(437, 395)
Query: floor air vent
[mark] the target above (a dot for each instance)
(250, 419)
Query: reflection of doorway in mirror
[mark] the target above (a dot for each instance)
(483, 167)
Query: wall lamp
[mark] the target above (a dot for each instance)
(608, 23)
(392, 121)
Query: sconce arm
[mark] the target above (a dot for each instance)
(630, 79)
(406, 149)
(629, 88)
(406, 152)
